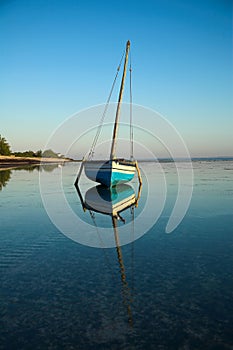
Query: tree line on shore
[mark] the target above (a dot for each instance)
(5, 150)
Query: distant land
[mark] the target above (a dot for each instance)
(8, 158)
(15, 161)
(193, 159)
(171, 160)
(6, 161)
(211, 158)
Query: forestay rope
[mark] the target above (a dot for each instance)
(92, 149)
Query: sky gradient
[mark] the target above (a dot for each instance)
(60, 57)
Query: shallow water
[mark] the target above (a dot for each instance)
(162, 291)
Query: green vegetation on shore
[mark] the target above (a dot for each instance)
(5, 150)
(46, 154)
(28, 154)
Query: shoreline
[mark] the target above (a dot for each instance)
(13, 161)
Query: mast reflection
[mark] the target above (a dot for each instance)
(113, 202)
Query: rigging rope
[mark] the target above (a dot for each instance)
(92, 150)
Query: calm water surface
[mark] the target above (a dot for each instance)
(163, 291)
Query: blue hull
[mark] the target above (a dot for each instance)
(112, 179)
(110, 173)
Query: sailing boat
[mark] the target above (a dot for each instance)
(115, 170)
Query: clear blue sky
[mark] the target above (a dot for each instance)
(58, 57)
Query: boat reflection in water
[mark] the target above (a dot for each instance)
(113, 202)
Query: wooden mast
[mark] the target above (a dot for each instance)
(115, 130)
